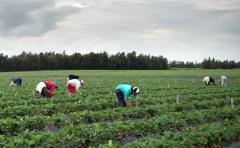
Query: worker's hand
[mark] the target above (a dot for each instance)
(136, 103)
(128, 104)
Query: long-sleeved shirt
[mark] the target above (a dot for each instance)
(50, 87)
(126, 89)
(75, 83)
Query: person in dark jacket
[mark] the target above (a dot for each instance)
(16, 82)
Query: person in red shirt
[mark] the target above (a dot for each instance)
(46, 88)
(50, 86)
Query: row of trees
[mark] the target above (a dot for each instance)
(209, 63)
(58, 61)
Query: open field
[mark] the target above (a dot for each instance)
(203, 117)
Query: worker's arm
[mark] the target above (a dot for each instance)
(136, 103)
(126, 100)
(78, 85)
(127, 103)
(135, 98)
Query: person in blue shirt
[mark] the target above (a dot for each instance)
(123, 92)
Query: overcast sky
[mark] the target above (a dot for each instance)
(187, 30)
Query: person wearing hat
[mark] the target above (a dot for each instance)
(70, 77)
(16, 82)
(46, 88)
(208, 80)
(123, 92)
(73, 86)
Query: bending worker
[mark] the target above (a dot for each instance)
(208, 80)
(123, 92)
(46, 88)
(16, 82)
(73, 86)
(223, 81)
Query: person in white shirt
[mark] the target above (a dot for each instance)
(73, 86)
(208, 80)
(223, 81)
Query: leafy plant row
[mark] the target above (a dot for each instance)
(38, 122)
(166, 98)
(97, 105)
(208, 135)
(94, 134)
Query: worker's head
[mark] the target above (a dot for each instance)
(55, 84)
(82, 82)
(136, 91)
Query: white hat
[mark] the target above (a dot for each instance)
(82, 82)
(136, 90)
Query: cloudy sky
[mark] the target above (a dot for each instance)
(177, 29)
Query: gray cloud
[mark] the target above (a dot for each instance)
(180, 30)
(30, 18)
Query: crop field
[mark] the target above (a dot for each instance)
(176, 110)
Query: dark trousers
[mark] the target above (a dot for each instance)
(120, 97)
(45, 92)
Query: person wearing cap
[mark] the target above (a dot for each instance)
(123, 92)
(208, 80)
(73, 86)
(46, 88)
(16, 82)
(70, 77)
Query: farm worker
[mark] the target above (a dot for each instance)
(16, 82)
(208, 80)
(223, 80)
(46, 88)
(70, 77)
(73, 86)
(123, 91)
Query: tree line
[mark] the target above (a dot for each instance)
(207, 63)
(102, 61)
(59, 61)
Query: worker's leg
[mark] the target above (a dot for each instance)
(120, 98)
(206, 83)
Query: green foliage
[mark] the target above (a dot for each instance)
(202, 118)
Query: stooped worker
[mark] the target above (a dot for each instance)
(73, 86)
(70, 77)
(123, 92)
(208, 80)
(223, 80)
(46, 88)
(16, 82)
